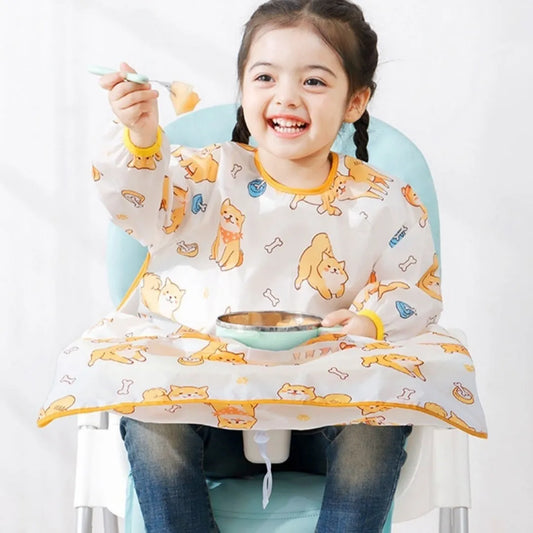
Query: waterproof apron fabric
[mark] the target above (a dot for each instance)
(224, 236)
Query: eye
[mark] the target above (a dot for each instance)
(314, 82)
(264, 78)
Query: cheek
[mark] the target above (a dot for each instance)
(251, 106)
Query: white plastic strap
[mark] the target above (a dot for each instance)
(261, 439)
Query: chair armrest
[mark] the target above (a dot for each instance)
(101, 465)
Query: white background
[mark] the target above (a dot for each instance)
(455, 76)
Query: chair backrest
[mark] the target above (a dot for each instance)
(390, 151)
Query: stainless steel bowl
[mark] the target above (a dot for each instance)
(274, 321)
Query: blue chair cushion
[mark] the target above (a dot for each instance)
(237, 505)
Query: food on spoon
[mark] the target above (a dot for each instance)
(184, 99)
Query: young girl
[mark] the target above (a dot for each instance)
(305, 67)
(289, 225)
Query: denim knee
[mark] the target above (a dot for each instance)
(364, 456)
(364, 464)
(161, 449)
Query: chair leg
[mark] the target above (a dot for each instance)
(110, 521)
(84, 519)
(453, 520)
(445, 520)
(460, 520)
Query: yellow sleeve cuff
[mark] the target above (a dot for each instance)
(143, 152)
(380, 331)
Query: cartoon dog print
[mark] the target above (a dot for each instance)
(142, 162)
(201, 166)
(323, 202)
(373, 408)
(430, 281)
(161, 298)
(188, 393)
(226, 248)
(159, 395)
(58, 406)
(454, 348)
(301, 393)
(97, 175)
(214, 350)
(361, 182)
(178, 203)
(380, 289)
(125, 353)
(451, 417)
(406, 364)
(234, 416)
(449, 347)
(378, 345)
(411, 196)
(321, 269)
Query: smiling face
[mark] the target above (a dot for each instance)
(295, 96)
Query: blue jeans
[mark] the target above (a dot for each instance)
(170, 463)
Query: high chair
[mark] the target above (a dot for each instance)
(436, 472)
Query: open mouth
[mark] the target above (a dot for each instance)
(283, 125)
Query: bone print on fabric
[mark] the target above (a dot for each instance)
(218, 244)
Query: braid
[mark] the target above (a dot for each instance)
(360, 137)
(240, 132)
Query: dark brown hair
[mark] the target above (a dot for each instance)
(342, 26)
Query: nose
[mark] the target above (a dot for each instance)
(287, 95)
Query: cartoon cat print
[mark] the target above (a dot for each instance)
(226, 248)
(321, 269)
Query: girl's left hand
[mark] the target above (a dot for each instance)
(352, 323)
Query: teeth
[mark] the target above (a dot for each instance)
(282, 123)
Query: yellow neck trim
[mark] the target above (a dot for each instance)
(284, 188)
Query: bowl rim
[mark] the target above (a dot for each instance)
(315, 323)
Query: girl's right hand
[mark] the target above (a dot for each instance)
(134, 104)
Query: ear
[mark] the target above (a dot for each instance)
(357, 105)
